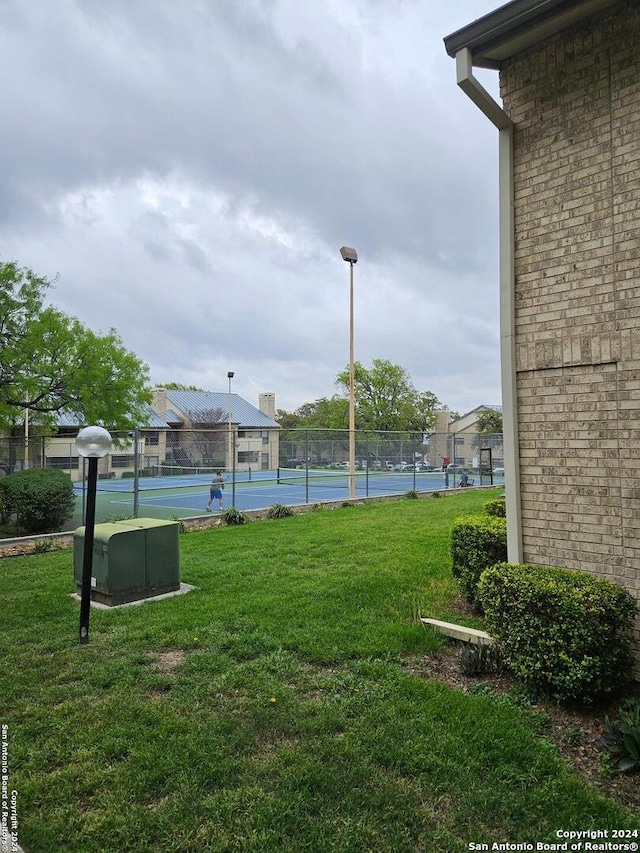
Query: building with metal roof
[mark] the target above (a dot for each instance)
(204, 408)
(216, 428)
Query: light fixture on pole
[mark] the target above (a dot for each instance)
(351, 257)
(93, 442)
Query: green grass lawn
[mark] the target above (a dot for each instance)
(271, 709)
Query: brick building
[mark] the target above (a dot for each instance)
(457, 440)
(569, 137)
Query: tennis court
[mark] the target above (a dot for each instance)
(186, 494)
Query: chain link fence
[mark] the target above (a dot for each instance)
(166, 473)
(377, 450)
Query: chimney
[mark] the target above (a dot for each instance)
(160, 401)
(267, 405)
(442, 420)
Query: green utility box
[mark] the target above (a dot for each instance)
(132, 560)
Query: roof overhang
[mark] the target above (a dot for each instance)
(518, 25)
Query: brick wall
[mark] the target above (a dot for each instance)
(575, 101)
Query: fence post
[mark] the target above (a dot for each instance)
(306, 465)
(136, 473)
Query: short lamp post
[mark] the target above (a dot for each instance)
(93, 443)
(351, 257)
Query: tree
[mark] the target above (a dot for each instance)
(178, 386)
(322, 417)
(324, 413)
(206, 434)
(50, 362)
(489, 432)
(385, 398)
(287, 420)
(489, 422)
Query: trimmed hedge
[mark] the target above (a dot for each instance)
(497, 507)
(41, 498)
(561, 632)
(477, 542)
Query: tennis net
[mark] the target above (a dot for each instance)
(196, 472)
(369, 480)
(161, 477)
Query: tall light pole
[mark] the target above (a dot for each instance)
(232, 461)
(351, 257)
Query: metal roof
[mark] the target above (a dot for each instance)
(243, 414)
(517, 25)
(154, 421)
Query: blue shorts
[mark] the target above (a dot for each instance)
(215, 493)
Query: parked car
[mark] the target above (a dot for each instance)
(499, 471)
(296, 463)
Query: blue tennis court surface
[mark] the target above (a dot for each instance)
(180, 497)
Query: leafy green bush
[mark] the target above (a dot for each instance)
(42, 499)
(497, 507)
(478, 659)
(623, 736)
(477, 542)
(279, 511)
(4, 509)
(561, 632)
(233, 516)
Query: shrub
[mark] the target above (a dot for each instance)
(497, 507)
(5, 515)
(412, 495)
(41, 498)
(561, 632)
(233, 516)
(477, 543)
(478, 659)
(279, 511)
(623, 736)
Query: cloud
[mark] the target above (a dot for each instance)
(191, 170)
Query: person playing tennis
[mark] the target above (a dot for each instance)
(215, 491)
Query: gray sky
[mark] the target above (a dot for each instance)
(190, 170)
